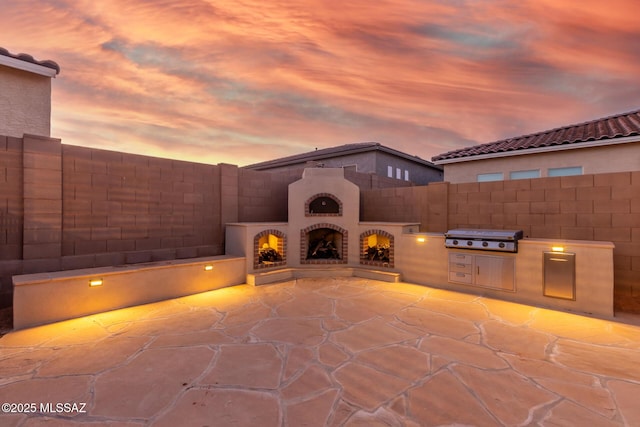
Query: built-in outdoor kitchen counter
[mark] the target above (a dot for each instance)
(324, 236)
(573, 275)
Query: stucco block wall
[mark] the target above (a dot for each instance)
(604, 207)
(25, 103)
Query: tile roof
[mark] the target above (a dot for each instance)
(28, 58)
(330, 152)
(607, 128)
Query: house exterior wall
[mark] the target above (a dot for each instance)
(418, 174)
(25, 103)
(366, 163)
(375, 162)
(594, 160)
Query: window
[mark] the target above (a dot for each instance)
(390, 171)
(572, 170)
(485, 177)
(406, 175)
(534, 173)
(398, 173)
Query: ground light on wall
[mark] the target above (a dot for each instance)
(95, 283)
(208, 267)
(557, 248)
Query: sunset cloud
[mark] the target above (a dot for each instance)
(242, 82)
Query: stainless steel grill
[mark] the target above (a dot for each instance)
(484, 240)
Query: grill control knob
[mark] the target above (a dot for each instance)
(485, 244)
(470, 243)
(501, 245)
(455, 242)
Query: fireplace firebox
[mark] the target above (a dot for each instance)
(377, 248)
(323, 244)
(323, 232)
(269, 249)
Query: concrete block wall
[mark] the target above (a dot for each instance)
(42, 196)
(601, 207)
(11, 198)
(138, 208)
(263, 196)
(11, 213)
(65, 207)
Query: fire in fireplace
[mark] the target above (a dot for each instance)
(268, 254)
(323, 243)
(269, 249)
(377, 248)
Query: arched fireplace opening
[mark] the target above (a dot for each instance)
(323, 244)
(377, 248)
(323, 204)
(269, 249)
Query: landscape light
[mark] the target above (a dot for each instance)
(421, 239)
(208, 267)
(95, 282)
(557, 248)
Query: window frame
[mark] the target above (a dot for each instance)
(554, 172)
(490, 177)
(532, 173)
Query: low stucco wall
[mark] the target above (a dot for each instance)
(51, 297)
(423, 259)
(240, 237)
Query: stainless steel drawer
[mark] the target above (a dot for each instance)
(456, 257)
(460, 267)
(456, 276)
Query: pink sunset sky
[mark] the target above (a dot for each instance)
(246, 81)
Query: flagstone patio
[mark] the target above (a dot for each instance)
(316, 352)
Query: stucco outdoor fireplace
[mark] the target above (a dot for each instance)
(324, 230)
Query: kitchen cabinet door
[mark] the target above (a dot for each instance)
(496, 272)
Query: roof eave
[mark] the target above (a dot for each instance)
(303, 158)
(407, 156)
(563, 147)
(355, 150)
(27, 66)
